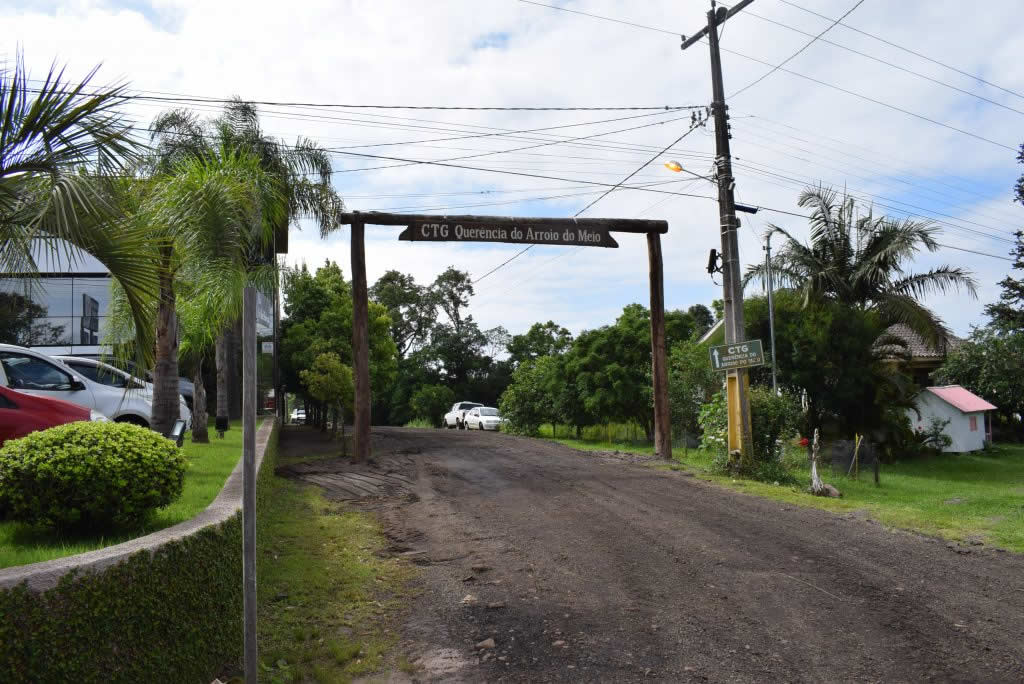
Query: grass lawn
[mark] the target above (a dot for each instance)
(955, 496)
(209, 466)
(326, 599)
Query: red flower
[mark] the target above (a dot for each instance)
(804, 441)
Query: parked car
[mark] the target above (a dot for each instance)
(22, 413)
(298, 416)
(484, 418)
(119, 395)
(35, 373)
(456, 417)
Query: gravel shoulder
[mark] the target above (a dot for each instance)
(590, 568)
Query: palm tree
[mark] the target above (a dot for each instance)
(862, 261)
(300, 173)
(64, 152)
(201, 212)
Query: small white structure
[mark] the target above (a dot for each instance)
(966, 412)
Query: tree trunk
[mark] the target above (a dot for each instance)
(334, 424)
(234, 365)
(165, 371)
(200, 434)
(221, 360)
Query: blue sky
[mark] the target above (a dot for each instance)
(788, 131)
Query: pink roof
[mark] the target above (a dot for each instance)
(961, 398)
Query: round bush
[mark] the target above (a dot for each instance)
(89, 475)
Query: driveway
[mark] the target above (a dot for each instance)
(592, 568)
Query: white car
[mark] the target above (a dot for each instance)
(298, 416)
(114, 394)
(456, 417)
(484, 418)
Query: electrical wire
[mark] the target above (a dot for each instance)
(906, 49)
(797, 53)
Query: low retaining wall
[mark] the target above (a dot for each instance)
(164, 607)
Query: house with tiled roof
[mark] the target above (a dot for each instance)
(924, 357)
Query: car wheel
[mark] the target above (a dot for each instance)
(481, 427)
(134, 420)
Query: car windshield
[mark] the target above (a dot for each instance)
(468, 405)
(488, 412)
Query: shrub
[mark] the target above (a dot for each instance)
(773, 418)
(431, 402)
(89, 474)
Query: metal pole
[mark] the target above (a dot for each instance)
(249, 352)
(771, 307)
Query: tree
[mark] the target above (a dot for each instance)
(861, 261)
(297, 175)
(691, 384)
(431, 402)
(21, 322)
(1008, 313)
(200, 213)
(451, 292)
(612, 369)
(410, 306)
(528, 402)
(854, 374)
(989, 364)
(703, 319)
(64, 151)
(329, 381)
(542, 339)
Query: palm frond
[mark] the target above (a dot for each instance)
(938, 280)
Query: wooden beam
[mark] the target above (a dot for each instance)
(611, 224)
(360, 348)
(659, 357)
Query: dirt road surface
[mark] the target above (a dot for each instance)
(591, 568)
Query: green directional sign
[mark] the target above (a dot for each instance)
(737, 355)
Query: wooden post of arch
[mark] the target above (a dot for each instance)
(590, 232)
(659, 357)
(360, 348)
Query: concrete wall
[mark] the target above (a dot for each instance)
(959, 428)
(45, 575)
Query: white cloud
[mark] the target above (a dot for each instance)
(396, 52)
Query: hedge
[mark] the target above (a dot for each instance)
(173, 614)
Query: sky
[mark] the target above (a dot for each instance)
(884, 132)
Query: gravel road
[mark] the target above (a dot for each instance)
(590, 568)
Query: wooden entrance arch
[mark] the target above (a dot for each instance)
(588, 232)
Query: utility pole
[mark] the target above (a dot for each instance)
(771, 304)
(737, 381)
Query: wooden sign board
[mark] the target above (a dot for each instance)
(737, 355)
(566, 232)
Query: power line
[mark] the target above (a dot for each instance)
(887, 63)
(607, 192)
(797, 53)
(906, 49)
(812, 79)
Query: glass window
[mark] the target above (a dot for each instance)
(488, 412)
(49, 331)
(91, 296)
(974, 423)
(29, 372)
(99, 374)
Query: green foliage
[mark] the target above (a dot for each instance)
(330, 381)
(714, 424)
(828, 349)
(773, 419)
(528, 401)
(542, 339)
(691, 384)
(431, 402)
(157, 616)
(861, 260)
(989, 364)
(89, 475)
(411, 307)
